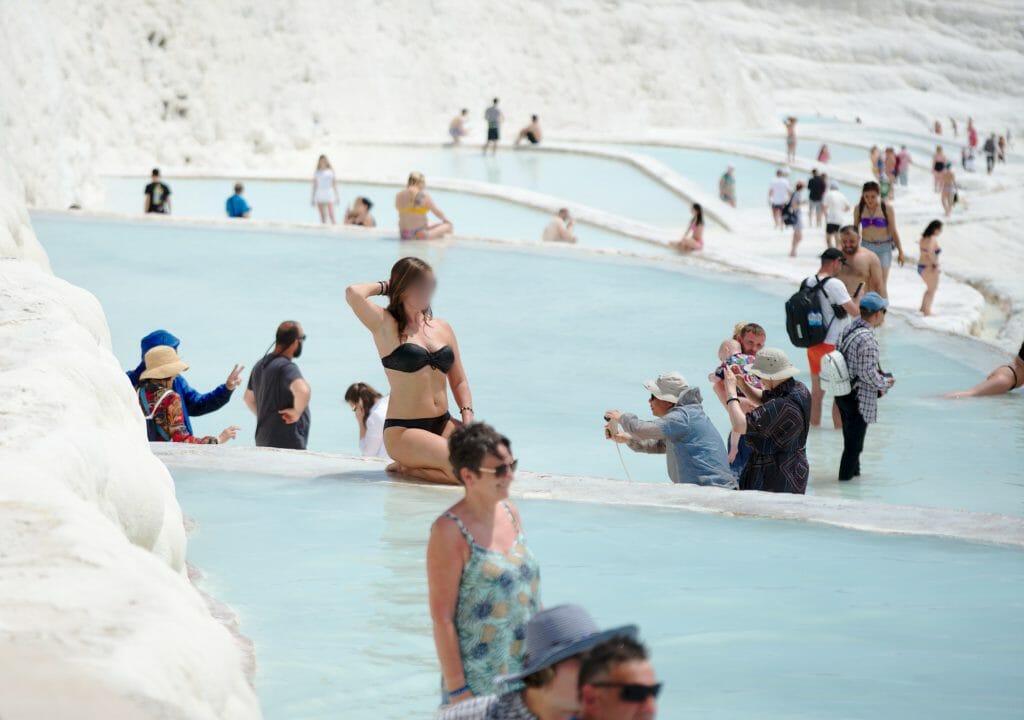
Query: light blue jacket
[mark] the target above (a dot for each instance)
(697, 453)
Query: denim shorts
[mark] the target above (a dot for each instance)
(882, 249)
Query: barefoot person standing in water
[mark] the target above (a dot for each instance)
(420, 357)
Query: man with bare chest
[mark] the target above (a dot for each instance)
(862, 265)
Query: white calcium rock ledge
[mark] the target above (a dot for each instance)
(97, 616)
(849, 514)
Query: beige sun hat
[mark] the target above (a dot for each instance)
(162, 362)
(772, 364)
(668, 386)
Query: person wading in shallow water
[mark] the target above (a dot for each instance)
(775, 423)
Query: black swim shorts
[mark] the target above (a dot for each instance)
(492, 134)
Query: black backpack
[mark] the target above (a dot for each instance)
(804, 318)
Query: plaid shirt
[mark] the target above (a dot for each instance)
(860, 348)
(509, 706)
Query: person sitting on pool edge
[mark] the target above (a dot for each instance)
(531, 132)
(697, 454)
(561, 228)
(163, 407)
(359, 213)
(413, 205)
(193, 402)
(557, 640)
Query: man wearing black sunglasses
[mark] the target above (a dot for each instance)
(617, 682)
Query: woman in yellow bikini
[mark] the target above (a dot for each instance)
(413, 204)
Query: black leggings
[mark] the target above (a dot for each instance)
(854, 430)
(434, 425)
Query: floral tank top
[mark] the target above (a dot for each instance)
(498, 595)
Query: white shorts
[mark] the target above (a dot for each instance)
(325, 197)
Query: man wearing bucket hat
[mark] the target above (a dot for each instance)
(775, 421)
(694, 451)
(555, 640)
(859, 347)
(165, 421)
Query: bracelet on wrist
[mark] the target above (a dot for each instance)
(732, 399)
(467, 407)
(461, 691)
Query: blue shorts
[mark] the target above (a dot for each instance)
(882, 249)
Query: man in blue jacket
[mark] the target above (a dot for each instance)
(192, 401)
(681, 431)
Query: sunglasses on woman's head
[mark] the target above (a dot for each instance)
(633, 692)
(502, 470)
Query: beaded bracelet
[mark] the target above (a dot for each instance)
(461, 691)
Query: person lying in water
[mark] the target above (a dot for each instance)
(1004, 379)
(421, 357)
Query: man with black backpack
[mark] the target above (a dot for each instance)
(816, 317)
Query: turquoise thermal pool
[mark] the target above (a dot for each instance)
(745, 618)
(551, 338)
(589, 180)
(284, 201)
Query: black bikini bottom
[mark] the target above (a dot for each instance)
(434, 425)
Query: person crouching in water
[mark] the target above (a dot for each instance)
(165, 418)
(693, 448)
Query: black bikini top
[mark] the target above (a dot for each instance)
(410, 357)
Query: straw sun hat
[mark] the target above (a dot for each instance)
(162, 362)
(772, 364)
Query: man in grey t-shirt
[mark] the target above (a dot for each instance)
(277, 393)
(494, 119)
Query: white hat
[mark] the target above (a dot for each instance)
(668, 387)
(772, 364)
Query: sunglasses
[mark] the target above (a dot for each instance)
(633, 692)
(503, 470)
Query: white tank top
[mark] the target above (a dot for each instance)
(324, 181)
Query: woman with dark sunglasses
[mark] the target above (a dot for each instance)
(484, 583)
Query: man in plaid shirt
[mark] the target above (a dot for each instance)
(860, 349)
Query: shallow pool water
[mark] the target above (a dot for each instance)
(283, 201)
(745, 618)
(551, 338)
(807, 149)
(589, 180)
(705, 167)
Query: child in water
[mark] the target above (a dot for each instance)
(731, 353)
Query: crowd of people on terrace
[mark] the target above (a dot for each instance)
(500, 653)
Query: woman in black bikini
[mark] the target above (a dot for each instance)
(421, 358)
(1003, 379)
